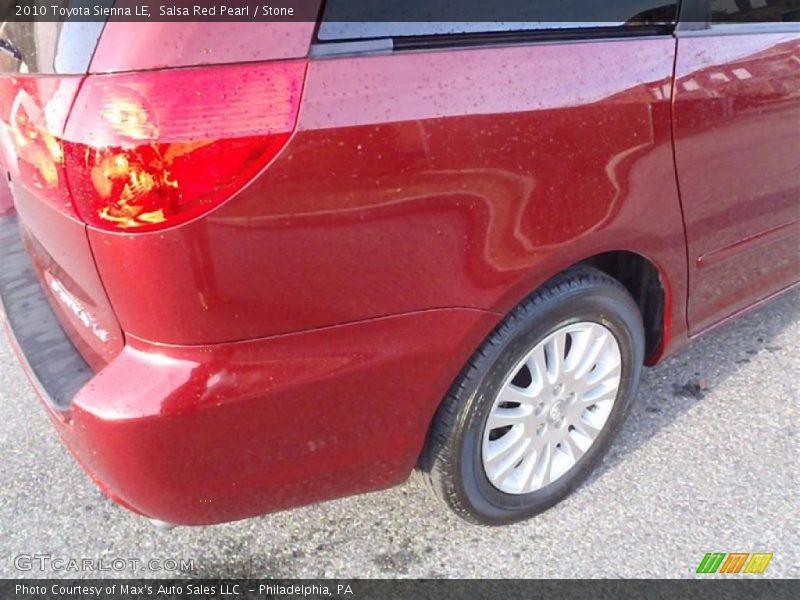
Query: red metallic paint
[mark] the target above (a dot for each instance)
(451, 208)
(126, 46)
(56, 239)
(59, 251)
(293, 344)
(737, 127)
(207, 434)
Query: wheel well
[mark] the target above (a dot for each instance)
(642, 280)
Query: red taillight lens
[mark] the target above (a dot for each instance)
(33, 113)
(150, 150)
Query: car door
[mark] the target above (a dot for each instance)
(737, 149)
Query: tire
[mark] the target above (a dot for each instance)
(577, 305)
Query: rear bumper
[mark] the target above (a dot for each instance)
(206, 434)
(57, 367)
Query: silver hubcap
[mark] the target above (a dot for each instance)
(551, 408)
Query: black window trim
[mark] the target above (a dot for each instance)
(432, 42)
(336, 48)
(381, 45)
(693, 19)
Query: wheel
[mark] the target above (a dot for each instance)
(536, 407)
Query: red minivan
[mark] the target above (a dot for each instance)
(250, 266)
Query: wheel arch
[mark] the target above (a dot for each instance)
(645, 282)
(644, 278)
(641, 276)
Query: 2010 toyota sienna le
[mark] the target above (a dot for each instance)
(253, 266)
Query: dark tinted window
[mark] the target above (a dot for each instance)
(754, 11)
(359, 19)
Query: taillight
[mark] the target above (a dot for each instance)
(150, 150)
(147, 150)
(33, 113)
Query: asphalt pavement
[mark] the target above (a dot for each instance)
(706, 463)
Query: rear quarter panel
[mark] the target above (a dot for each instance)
(460, 178)
(139, 46)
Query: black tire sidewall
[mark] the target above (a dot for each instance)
(608, 305)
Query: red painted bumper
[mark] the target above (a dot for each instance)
(205, 434)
